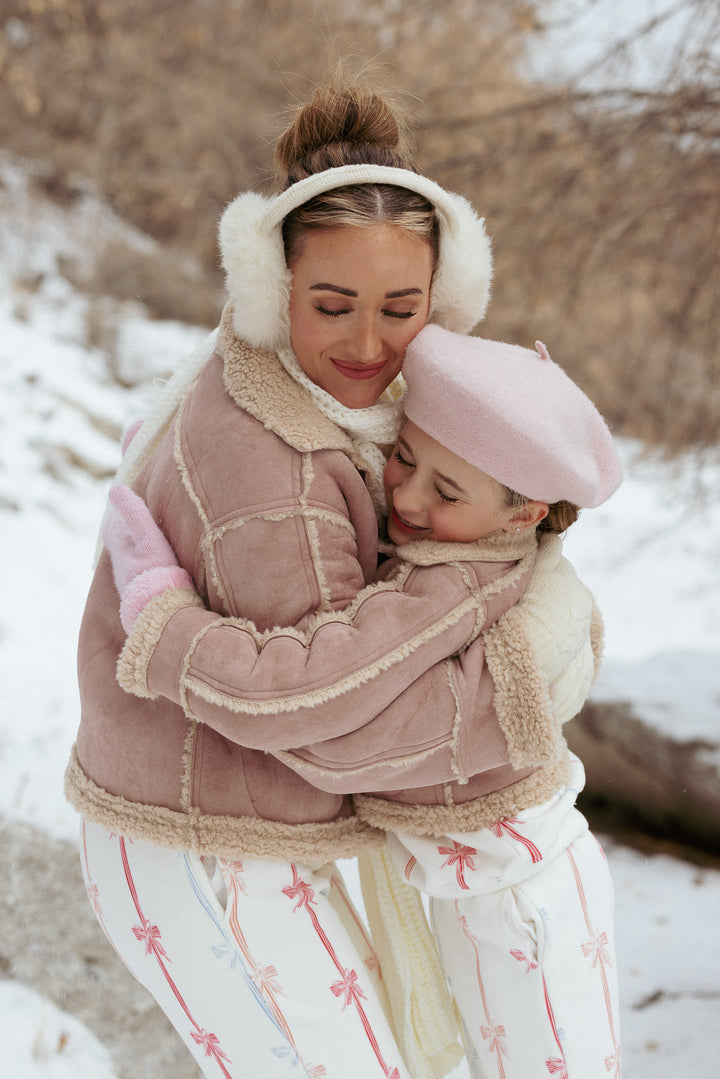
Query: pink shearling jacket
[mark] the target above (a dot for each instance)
(438, 754)
(261, 498)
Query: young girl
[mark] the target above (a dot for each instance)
(476, 794)
(521, 899)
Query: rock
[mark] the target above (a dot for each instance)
(649, 737)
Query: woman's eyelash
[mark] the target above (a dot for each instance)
(444, 497)
(346, 311)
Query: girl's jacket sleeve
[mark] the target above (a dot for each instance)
(285, 688)
(398, 683)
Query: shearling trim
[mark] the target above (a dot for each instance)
(522, 696)
(457, 723)
(259, 384)
(228, 837)
(187, 763)
(308, 472)
(312, 698)
(133, 661)
(497, 547)
(197, 503)
(433, 820)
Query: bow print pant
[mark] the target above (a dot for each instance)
(523, 918)
(264, 968)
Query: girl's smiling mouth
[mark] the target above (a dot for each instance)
(406, 526)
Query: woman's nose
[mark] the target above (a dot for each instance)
(366, 341)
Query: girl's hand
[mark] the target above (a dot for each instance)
(143, 562)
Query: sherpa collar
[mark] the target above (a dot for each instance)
(258, 383)
(497, 547)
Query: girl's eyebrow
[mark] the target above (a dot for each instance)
(324, 286)
(436, 475)
(452, 483)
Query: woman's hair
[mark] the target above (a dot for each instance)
(347, 123)
(560, 515)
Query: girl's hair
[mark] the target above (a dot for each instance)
(559, 517)
(347, 123)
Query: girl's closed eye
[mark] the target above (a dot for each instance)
(446, 498)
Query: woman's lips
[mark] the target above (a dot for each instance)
(360, 371)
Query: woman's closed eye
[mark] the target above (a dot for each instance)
(332, 312)
(397, 454)
(446, 498)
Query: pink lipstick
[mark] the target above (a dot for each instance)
(359, 371)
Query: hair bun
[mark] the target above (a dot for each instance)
(331, 128)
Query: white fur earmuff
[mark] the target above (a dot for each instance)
(259, 281)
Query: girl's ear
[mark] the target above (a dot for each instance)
(527, 516)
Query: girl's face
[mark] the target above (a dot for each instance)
(434, 494)
(359, 296)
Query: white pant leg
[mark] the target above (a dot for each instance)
(523, 916)
(532, 969)
(259, 977)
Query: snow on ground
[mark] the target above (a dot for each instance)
(649, 556)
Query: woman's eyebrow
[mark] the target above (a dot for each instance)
(325, 286)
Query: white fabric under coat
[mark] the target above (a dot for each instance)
(523, 919)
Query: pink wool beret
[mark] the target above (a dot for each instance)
(513, 413)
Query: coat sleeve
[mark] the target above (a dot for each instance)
(512, 689)
(288, 688)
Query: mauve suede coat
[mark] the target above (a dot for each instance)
(260, 496)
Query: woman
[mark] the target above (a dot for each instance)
(202, 856)
(259, 485)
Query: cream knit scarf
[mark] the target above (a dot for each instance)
(423, 1011)
(368, 428)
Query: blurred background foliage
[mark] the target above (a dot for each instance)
(602, 198)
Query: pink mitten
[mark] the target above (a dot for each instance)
(143, 562)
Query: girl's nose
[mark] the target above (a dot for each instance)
(407, 497)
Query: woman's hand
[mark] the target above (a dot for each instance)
(143, 562)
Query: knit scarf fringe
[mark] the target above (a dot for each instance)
(423, 1011)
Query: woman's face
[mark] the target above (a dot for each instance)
(359, 296)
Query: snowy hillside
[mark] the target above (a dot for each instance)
(650, 557)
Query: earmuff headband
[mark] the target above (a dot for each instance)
(259, 281)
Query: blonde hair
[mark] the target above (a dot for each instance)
(347, 123)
